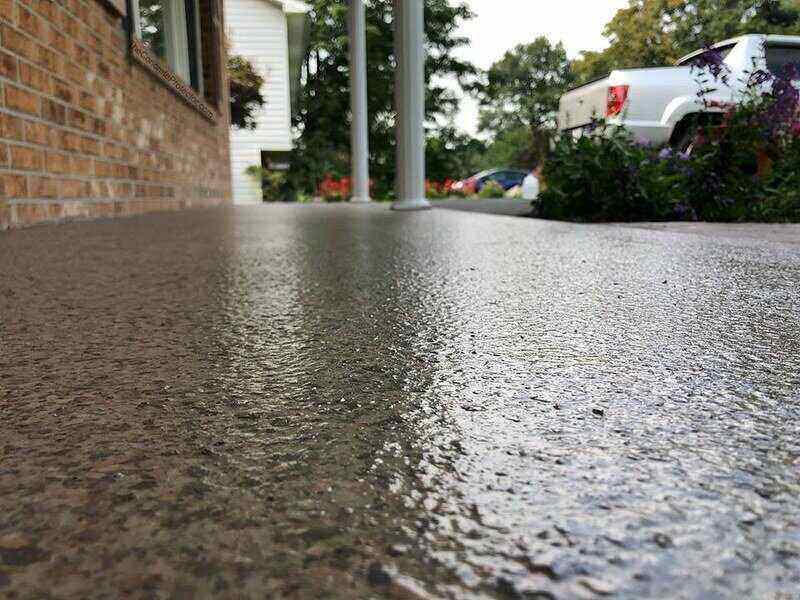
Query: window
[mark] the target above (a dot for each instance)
(781, 57)
(698, 59)
(170, 29)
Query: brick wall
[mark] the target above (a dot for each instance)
(87, 132)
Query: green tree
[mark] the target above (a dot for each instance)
(512, 148)
(453, 155)
(246, 98)
(323, 122)
(519, 96)
(652, 33)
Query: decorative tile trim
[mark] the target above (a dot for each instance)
(146, 58)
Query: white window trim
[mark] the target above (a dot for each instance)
(175, 36)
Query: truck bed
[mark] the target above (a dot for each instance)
(648, 87)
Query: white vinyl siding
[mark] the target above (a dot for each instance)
(257, 30)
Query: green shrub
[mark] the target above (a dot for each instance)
(744, 168)
(491, 189)
(781, 192)
(606, 177)
(273, 184)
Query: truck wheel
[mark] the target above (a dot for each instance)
(685, 136)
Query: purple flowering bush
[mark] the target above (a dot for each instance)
(609, 177)
(745, 166)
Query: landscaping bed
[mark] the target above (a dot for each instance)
(745, 167)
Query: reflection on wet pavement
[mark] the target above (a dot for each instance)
(340, 402)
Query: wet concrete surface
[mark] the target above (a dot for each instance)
(786, 233)
(343, 402)
(511, 207)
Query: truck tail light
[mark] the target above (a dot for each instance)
(617, 97)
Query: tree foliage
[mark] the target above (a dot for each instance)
(515, 148)
(451, 154)
(245, 86)
(323, 118)
(651, 33)
(519, 100)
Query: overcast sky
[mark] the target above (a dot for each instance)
(502, 24)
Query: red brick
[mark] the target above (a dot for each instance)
(63, 90)
(88, 102)
(82, 10)
(71, 26)
(42, 187)
(90, 146)
(120, 190)
(73, 188)
(34, 77)
(79, 165)
(29, 22)
(57, 163)
(26, 159)
(10, 127)
(111, 151)
(102, 169)
(78, 120)
(82, 56)
(8, 66)
(104, 70)
(99, 127)
(60, 42)
(36, 133)
(66, 61)
(15, 185)
(7, 11)
(99, 189)
(50, 61)
(75, 73)
(50, 11)
(70, 141)
(92, 40)
(17, 43)
(53, 111)
(22, 100)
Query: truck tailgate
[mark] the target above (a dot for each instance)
(580, 106)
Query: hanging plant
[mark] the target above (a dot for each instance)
(246, 98)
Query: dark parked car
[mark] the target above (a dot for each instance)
(507, 178)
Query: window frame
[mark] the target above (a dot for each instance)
(174, 34)
(188, 79)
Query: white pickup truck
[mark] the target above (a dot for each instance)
(661, 105)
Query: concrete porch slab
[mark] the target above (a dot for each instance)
(346, 402)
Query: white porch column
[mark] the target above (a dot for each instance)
(409, 43)
(359, 132)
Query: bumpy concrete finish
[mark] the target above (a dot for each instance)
(343, 402)
(491, 206)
